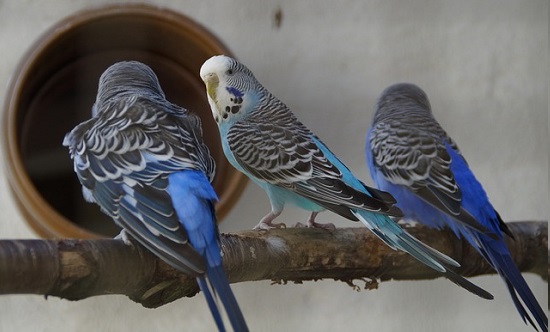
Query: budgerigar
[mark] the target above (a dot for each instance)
(143, 161)
(262, 138)
(412, 157)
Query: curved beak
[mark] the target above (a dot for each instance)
(211, 81)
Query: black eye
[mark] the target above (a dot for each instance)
(229, 72)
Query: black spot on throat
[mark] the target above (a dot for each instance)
(235, 109)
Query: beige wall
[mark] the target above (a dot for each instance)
(484, 65)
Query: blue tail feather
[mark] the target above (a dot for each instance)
(499, 257)
(220, 284)
(394, 236)
(476, 202)
(193, 197)
(397, 238)
(212, 305)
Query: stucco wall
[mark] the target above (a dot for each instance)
(484, 65)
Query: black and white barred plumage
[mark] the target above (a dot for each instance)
(125, 152)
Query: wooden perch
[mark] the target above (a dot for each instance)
(76, 269)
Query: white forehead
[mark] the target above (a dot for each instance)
(216, 64)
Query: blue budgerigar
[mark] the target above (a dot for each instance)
(262, 138)
(143, 161)
(412, 157)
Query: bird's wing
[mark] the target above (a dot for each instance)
(418, 159)
(123, 158)
(285, 153)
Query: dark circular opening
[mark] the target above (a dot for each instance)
(60, 90)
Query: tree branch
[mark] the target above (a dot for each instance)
(76, 269)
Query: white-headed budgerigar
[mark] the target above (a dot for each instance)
(143, 161)
(262, 138)
(412, 157)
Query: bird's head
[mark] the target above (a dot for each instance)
(231, 87)
(124, 78)
(399, 100)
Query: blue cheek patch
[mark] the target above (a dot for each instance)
(234, 92)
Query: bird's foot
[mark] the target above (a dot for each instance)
(268, 225)
(328, 226)
(267, 222)
(312, 224)
(125, 237)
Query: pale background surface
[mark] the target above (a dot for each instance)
(484, 65)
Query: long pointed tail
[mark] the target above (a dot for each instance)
(499, 257)
(397, 238)
(193, 199)
(211, 301)
(221, 289)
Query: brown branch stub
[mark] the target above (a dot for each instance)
(76, 269)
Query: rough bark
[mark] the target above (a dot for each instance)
(77, 269)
